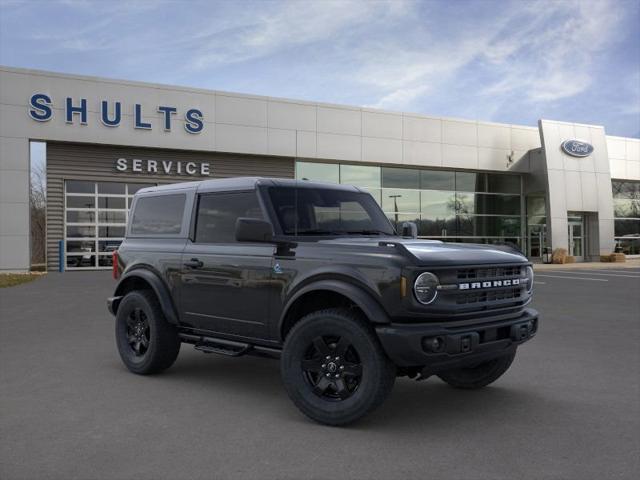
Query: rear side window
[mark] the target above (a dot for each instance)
(218, 212)
(160, 215)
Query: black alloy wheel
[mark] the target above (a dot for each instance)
(138, 334)
(332, 367)
(147, 343)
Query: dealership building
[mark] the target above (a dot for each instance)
(554, 185)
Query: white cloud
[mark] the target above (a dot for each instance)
(538, 51)
(256, 34)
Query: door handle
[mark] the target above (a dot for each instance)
(194, 263)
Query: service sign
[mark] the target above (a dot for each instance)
(577, 148)
(163, 167)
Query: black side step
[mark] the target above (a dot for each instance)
(227, 347)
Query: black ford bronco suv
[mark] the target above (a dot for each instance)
(316, 275)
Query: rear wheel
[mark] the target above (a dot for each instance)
(147, 343)
(480, 375)
(334, 368)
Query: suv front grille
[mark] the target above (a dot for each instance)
(490, 272)
(489, 296)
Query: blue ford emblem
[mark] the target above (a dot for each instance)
(576, 148)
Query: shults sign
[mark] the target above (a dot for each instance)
(41, 109)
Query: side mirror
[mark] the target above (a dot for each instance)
(253, 230)
(409, 229)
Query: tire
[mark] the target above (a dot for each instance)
(315, 350)
(147, 343)
(478, 376)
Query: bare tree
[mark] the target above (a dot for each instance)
(37, 210)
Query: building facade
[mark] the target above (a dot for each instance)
(557, 185)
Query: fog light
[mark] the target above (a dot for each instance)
(433, 344)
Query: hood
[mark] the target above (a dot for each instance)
(435, 252)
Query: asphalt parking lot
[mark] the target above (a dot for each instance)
(569, 408)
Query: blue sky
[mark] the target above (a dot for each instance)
(502, 61)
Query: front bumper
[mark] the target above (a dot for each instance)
(445, 346)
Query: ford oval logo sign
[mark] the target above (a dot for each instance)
(577, 148)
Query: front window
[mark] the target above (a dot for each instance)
(320, 211)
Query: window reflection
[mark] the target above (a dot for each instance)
(395, 200)
(463, 206)
(320, 172)
(360, 176)
(400, 178)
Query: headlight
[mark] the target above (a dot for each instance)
(426, 288)
(529, 274)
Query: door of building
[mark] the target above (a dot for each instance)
(537, 241)
(577, 237)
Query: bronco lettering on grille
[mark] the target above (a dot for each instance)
(490, 284)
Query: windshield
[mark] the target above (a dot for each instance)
(325, 211)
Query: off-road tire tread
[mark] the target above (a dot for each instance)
(165, 344)
(387, 369)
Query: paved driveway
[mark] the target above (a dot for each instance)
(567, 409)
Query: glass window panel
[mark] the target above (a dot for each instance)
(471, 182)
(108, 246)
(360, 176)
(81, 202)
(321, 172)
(134, 187)
(404, 200)
(471, 225)
(536, 206)
(626, 208)
(105, 260)
(536, 220)
(627, 227)
(161, 215)
(400, 178)
(113, 188)
(437, 180)
(218, 213)
(465, 203)
(112, 217)
(111, 232)
(436, 226)
(74, 231)
(85, 216)
(77, 186)
(398, 220)
(112, 202)
(629, 245)
(435, 204)
(503, 183)
(497, 204)
(81, 261)
(626, 189)
(79, 246)
(129, 202)
(301, 218)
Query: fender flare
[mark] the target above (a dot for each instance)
(358, 295)
(157, 285)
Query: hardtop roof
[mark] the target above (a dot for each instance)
(242, 183)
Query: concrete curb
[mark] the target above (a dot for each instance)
(630, 263)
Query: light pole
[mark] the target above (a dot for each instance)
(395, 206)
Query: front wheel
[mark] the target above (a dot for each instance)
(333, 367)
(480, 375)
(147, 343)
